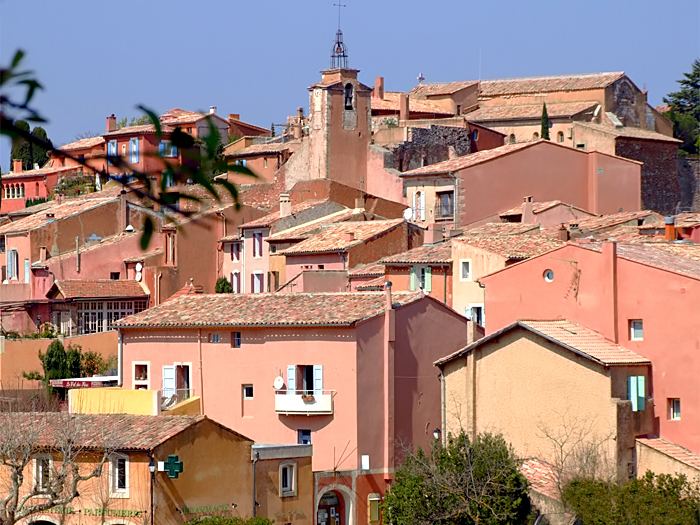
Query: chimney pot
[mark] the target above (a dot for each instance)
(389, 302)
(379, 88)
(563, 233)
(349, 236)
(403, 107)
(285, 205)
(42, 253)
(212, 110)
(528, 214)
(111, 123)
(234, 116)
(670, 233)
(17, 165)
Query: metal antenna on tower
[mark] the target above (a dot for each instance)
(339, 55)
(339, 6)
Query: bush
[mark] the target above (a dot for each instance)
(223, 286)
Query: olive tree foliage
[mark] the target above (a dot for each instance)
(465, 482)
(25, 437)
(200, 159)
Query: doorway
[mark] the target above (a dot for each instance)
(331, 509)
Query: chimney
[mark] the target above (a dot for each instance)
(670, 232)
(212, 110)
(42, 253)
(111, 123)
(59, 198)
(234, 116)
(528, 215)
(562, 233)
(360, 203)
(379, 88)
(433, 234)
(285, 205)
(574, 231)
(16, 165)
(349, 236)
(403, 106)
(389, 303)
(299, 123)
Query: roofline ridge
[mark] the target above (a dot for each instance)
(576, 75)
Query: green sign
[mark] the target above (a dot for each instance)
(206, 509)
(173, 467)
(122, 513)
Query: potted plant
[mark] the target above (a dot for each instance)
(307, 397)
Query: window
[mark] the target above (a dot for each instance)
(258, 282)
(636, 392)
(247, 391)
(98, 316)
(636, 330)
(134, 150)
(674, 409)
(548, 275)
(560, 136)
(166, 149)
(373, 501)
(42, 471)
(13, 265)
(235, 252)
(114, 276)
(304, 436)
(235, 339)
(444, 206)
(257, 244)
(418, 206)
(475, 312)
(273, 248)
(288, 479)
(581, 145)
(511, 139)
(349, 95)
(119, 476)
(465, 270)
(235, 282)
(112, 149)
(214, 338)
(421, 276)
(265, 163)
(535, 136)
(321, 266)
(475, 135)
(26, 271)
(141, 376)
(459, 109)
(123, 151)
(2, 244)
(305, 379)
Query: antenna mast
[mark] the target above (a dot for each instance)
(339, 55)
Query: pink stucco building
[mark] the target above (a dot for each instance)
(351, 373)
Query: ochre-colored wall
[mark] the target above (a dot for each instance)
(113, 401)
(650, 459)
(482, 262)
(290, 509)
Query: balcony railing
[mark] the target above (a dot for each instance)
(172, 396)
(444, 211)
(305, 402)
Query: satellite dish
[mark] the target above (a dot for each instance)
(138, 276)
(408, 214)
(279, 383)
(139, 266)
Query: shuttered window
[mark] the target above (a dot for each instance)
(636, 392)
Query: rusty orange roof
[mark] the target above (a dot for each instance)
(83, 143)
(261, 149)
(134, 130)
(683, 220)
(548, 84)
(272, 218)
(539, 207)
(466, 161)
(189, 289)
(337, 238)
(428, 253)
(287, 309)
(372, 286)
(306, 230)
(390, 102)
(529, 111)
(627, 132)
(94, 289)
(542, 477)
(503, 228)
(613, 219)
(512, 247)
(428, 89)
(368, 270)
(42, 172)
(672, 450)
(572, 336)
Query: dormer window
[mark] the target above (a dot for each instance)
(349, 94)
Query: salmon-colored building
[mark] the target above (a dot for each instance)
(348, 373)
(643, 297)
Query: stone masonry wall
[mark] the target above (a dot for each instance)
(427, 146)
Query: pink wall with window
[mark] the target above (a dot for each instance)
(256, 254)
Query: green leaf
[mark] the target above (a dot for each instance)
(154, 119)
(19, 54)
(147, 233)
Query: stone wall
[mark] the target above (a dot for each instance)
(427, 146)
(689, 175)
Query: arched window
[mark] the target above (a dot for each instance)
(535, 136)
(21, 189)
(12, 191)
(475, 135)
(36, 189)
(560, 136)
(349, 95)
(6, 190)
(511, 139)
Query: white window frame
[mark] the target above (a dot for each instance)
(137, 383)
(461, 273)
(37, 481)
(632, 329)
(674, 408)
(167, 149)
(291, 467)
(261, 276)
(483, 313)
(243, 391)
(214, 337)
(257, 245)
(115, 492)
(236, 281)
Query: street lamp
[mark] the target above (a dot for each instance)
(152, 469)
(436, 434)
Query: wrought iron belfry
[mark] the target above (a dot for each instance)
(339, 55)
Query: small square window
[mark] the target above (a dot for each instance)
(247, 391)
(235, 339)
(465, 270)
(214, 338)
(304, 436)
(674, 409)
(636, 330)
(288, 482)
(114, 276)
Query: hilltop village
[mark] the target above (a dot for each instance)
(399, 267)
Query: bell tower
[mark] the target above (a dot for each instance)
(339, 121)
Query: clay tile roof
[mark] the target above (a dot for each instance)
(683, 220)
(42, 172)
(628, 132)
(672, 450)
(230, 238)
(537, 207)
(549, 84)
(261, 149)
(466, 161)
(680, 249)
(542, 477)
(390, 102)
(662, 257)
(428, 89)
(145, 255)
(529, 111)
(306, 230)
(180, 116)
(512, 246)
(372, 286)
(504, 228)
(272, 218)
(93, 289)
(83, 143)
(334, 237)
(369, 270)
(99, 431)
(132, 130)
(292, 309)
(69, 208)
(663, 108)
(189, 289)
(428, 253)
(613, 219)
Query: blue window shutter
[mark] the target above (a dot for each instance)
(291, 379)
(318, 380)
(632, 391)
(413, 278)
(161, 148)
(428, 279)
(641, 392)
(136, 150)
(174, 151)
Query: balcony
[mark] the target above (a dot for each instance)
(302, 402)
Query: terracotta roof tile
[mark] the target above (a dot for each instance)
(542, 477)
(512, 246)
(656, 255)
(306, 230)
(178, 116)
(672, 450)
(83, 143)
(230, 238)
(368, 270)
(683, 220)
(390, 102)
(43, 171)
(94, 289)
(529, 111)
(428, 89)
(627, 132)
(270, 219)
(335, 238)
(260, 149)
(504, 228)
(189, 289)
(549, 84)
(592, 224)
(132, 130)
(372, 286)
(538, 207)
(145, 255)
(466, 161)
(680, 249)
(97, 431)
(426, 254)
(292, 309)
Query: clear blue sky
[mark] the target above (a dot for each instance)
(257, 58)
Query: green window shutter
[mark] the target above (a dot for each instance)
(413, 278)
(632, 391)
(428, 279)
(641, 392)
